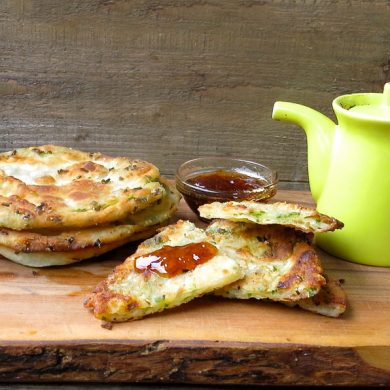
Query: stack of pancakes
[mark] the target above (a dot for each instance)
(59, 205)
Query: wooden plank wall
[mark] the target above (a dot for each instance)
(171, 80)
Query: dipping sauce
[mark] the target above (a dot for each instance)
(223, 179)
(174, 260)
(224, 186)
(228, 181)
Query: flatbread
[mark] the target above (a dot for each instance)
(128, 295)
(56, 187)
(278, 262)
(292, 215)
(73, 240)
(48, 259)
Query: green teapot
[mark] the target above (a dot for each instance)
(349, 172)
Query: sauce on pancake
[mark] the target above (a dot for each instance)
(170, 261)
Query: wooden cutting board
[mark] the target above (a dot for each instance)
(47, 335)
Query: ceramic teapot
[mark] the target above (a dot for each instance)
(349, 172)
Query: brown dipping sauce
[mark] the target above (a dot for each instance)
(174, 260)
(226, 185)
(227, 182)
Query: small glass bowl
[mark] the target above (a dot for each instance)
(196, 196)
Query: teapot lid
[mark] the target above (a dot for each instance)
(374, 106)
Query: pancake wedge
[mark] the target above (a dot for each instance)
(278, 262)
(128, 294)
(280, 213)
(331, 300)
(56, 187)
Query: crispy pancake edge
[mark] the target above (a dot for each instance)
(281, 213)
(71, 240)
(76, 189)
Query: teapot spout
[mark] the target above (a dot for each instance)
(319, 131)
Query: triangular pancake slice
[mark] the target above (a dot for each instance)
(287, 214)
(279, 262)
(331, 300)
(133, 290)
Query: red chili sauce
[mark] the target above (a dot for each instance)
(174, 260)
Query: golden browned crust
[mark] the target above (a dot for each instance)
(56, 187)
(306, 268)
(102, 299)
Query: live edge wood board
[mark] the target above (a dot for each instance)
(47, 335)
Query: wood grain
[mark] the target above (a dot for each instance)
(47, 335)
(201, 363)
(175, 79)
